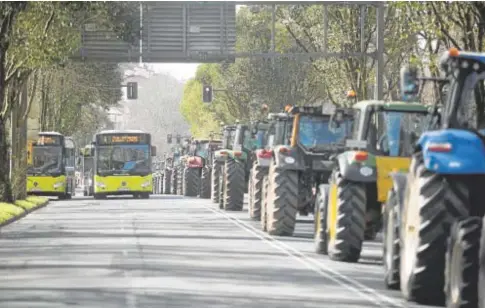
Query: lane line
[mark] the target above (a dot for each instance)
(351, 284)
(130, 298)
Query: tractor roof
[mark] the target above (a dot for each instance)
(395, 105)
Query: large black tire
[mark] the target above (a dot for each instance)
(220, 201)
(166, 182)
(215, 174)
(461, 271)
(320, 220)
(432, 202)
(255, 191)
(282, 201)
(234, 185)
(191, 182)
(205, 183)
(180, 181)
(391, 242)
(264, 206)
(173, 181)
(481, 273)
(350, 222)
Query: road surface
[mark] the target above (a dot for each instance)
(171, 251)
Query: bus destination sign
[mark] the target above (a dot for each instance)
(122, 139)
(49, 140)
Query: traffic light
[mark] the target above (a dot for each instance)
(179, 139)
(132, 90)
(207, 94)
(169, 138)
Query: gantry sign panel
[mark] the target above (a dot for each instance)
(171, 32)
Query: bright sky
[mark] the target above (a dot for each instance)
(181, 71)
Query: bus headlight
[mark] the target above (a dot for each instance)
(146, 184)
(99, 184)
(58, 185)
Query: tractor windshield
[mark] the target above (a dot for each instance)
(466, 114)
(202, 149)
(394, 133)
(314, 131)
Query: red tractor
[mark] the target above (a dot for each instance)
(198, 168)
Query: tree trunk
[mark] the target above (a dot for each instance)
(5, 185)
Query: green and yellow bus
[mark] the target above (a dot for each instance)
(51, 166)
(122, 163)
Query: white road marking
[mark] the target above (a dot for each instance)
(351, 284)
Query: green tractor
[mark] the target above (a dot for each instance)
(198, 168)
(279, 128)
(236, 166)
(228, 133)
(298, 168)
(349, 209)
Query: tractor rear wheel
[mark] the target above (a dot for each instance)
(180, 181)
(166, 182)
(320, 220)
(215, 174)
(461, 271)
(391, 242)
(173, 181)
(347, 225)
(234, 185)
(191, 182)
(255, 191)
(282, 201)
(205, 183)
(264, 206)
(432, 203)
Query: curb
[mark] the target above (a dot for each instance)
(25, 213)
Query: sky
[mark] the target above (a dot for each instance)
(181, 71)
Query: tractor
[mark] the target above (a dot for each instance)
(198, 168)
(235, 170)
(296, 169)
(228, 133)
(349, 208)
(441, 234)
(277, 134)
(393, 206)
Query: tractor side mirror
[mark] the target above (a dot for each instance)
(409, 83)
(154, 150)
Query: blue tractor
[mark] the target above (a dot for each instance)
(439, 204)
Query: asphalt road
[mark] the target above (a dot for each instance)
(170, 251)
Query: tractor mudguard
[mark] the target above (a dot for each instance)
(194, 162)
(453, 151)
(262, 161)
(399, 182)
(290, 160)
(242, 157)
(357, 171)
(220, 155)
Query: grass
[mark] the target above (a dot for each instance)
(9, 211)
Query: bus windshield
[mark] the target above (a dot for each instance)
(123, 159)
(314, 131)
(46, 160)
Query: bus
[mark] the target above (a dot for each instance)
(87, 169)
(122, 163)
(51, 169)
